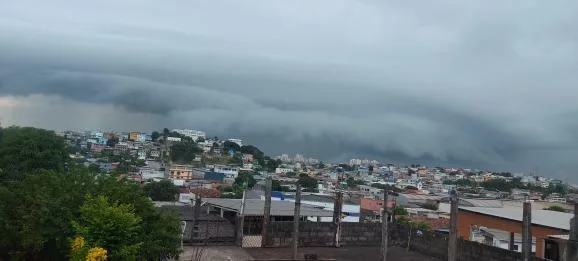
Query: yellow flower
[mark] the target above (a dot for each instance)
(96, 254)
(77, 243)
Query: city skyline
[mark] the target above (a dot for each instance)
(464, 83)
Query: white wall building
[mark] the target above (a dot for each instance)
(193, 134)
(283, 170)
(237, 141)
(228, 171)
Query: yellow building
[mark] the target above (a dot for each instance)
(181, 172)
(133, 135)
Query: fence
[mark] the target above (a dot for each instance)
(431, 243)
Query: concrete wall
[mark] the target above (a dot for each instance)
(311, 234)
(430, 243)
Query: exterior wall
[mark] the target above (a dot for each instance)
(468, 219)
(181, 172)
(133, 135)
(375, 205)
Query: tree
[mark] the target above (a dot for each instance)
(352, 183)
(112, 141)
(155, 135)
(112, 226)
(40, 203)
(346, 167)
(245, 177)
(556, 208)
(184, 152)
(307, 182)
(271, 164)
(163, 190)
(231, 146)
(25, 149)
(400, 211)
(276, 186)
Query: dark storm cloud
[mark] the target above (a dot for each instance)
(482, 83)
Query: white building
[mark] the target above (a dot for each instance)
(283, 170)
(174, 139)
(299, 158)
(285, 158)
(237, 141)
(193, 134)
(228, 171)
(149, 173)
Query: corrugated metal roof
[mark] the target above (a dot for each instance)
(419, 197)
(545, 218)
(481, 203)
(254, 207)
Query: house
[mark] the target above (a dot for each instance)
(370, 209)
(133, 135)
(183, 172)
(226, 170)
(141, 155)
(247, 158)
(155, 154)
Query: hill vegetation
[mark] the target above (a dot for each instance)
(56, 209)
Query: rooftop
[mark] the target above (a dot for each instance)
(254, 207)
(544, 218)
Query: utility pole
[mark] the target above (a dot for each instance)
(384, 226)
(296, 218)
(266, 212)
(337, 212)
(527, 231)
(197, 210)
(338, 208)
(241, 219)
(453, 238)
(572, 248)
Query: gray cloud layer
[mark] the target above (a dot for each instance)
(483, 83)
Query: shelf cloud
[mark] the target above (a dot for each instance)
(486, 84)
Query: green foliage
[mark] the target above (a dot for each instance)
(307, 182)
(36, 210)
(39, 205)
(400, 211)
(24, 149)
(113, 226)
(245, 177)
(155, 135)
(508, 185)
(556, 208)
(163, 190)
(237, 159)
(271, 164)
(184, 152)
(229, 145)
(352, 183)
(419, 225)
(276, 186)
(346, 167)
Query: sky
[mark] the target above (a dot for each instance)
(484, 84)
